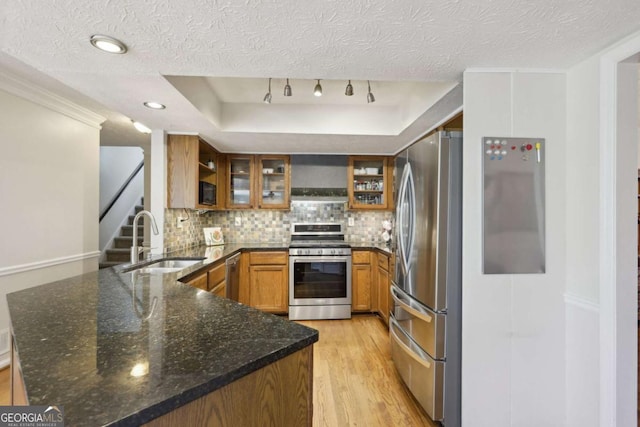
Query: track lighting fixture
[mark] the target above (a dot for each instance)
(349, 90)
(370, 97)
(287, 89)
(317, 91)
(267, 97)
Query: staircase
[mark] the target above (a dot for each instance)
(120, 252)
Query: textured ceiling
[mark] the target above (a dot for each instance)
(378, 40)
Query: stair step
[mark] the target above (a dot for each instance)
(127, 230)
(108, 264)
(121, 255)
(140, 220)
(139, 208)
(125, 241)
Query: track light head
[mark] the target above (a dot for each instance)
(349, 89)
(287, 89)
(317, 91)
(267, 97)
(370, 97)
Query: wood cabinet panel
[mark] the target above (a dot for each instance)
(258, 181)
(361, 280)
(268, 258)
(361, 287)
(200, 281)
(383, 293)
(268, 288)
(216, 275)
(17, 389)
(280, 394)
(187, 158)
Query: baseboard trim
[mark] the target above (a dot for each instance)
(14, 269)
(5, 360)
(581, 302)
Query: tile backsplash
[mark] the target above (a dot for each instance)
(270, 225)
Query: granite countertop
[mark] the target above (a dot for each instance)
(122, 348)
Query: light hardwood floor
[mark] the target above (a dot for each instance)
(4, 387)
(354, 380)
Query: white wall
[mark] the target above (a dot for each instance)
(48, 191)
(513, 325)
(116, 165)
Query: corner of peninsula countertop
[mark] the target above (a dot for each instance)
(117, 348)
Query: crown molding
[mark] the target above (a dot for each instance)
(27, 90)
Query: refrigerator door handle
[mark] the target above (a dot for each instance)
(409, 305)
(415, 354)
(406, 242)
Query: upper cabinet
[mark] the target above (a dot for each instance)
(261, 181)
(369, 182)
(240, 176)
(273, 182)
(194, 176)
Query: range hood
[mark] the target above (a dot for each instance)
(319, 178)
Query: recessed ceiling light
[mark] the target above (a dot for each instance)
(154, 105)
(140, 127)
(108, 44)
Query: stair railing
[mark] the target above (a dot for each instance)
(121, 190)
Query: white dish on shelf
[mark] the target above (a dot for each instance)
(372, 171)
(267, 170)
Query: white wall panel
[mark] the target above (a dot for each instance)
(513, 325)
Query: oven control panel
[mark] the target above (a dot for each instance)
(320, 251)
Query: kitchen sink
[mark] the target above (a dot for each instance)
(168, 265)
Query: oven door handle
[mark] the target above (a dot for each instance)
(414, 353)
(409, 305)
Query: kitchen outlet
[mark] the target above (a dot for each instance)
(179, 222)
(351, 222)
(238, 221)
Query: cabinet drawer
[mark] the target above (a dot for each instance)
(360, 257)
(216, 275)
(268, 258)
(383, 262)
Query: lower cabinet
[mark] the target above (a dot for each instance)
(216, 282)
(199, 281)
(361, 281)
(382, 285)
(268, 281)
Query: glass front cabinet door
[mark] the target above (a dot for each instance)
(273, 182)
(369, 182)
(240, 179)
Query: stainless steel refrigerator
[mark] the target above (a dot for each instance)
(425, 324)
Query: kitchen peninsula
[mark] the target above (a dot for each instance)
(122, 348)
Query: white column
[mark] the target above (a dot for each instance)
(155, 196)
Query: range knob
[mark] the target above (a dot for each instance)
(333, 251)
(306, 251)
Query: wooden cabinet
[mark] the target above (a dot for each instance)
(240, 179)
(274, 186)
(267, 287)
(369, 182)
(382, 285)
(17, 389)
(261, 182)
(361, 281)
(200, 281)
(216, 280)
(188, 161)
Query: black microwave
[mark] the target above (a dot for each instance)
(207, 193)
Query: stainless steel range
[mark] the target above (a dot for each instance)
(319, 272)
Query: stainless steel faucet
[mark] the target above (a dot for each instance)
(135, 250)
